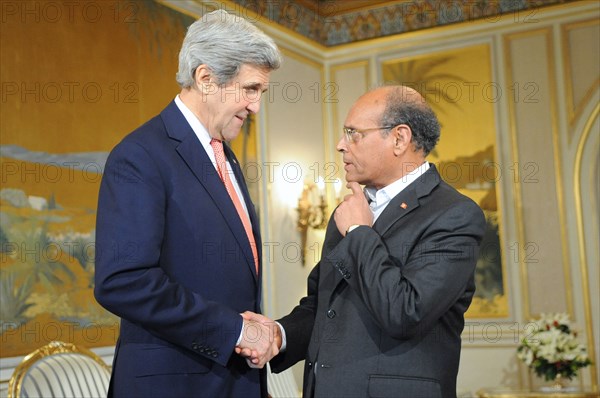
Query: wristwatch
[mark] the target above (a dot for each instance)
(352, 228)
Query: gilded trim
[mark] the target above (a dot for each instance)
(299, 57)
(327, 135)
(331, 27)
(518, 198)
(583, 265)
(500, 188)
(562, 218)
(230, 5)
(52, 348)
(488, 345)
(196, 7)
(547, 34)
(174, 5)
(574, 110)
(264, 193)
(458, 30)
(508, 393)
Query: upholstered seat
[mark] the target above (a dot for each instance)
(60, 370)
(282, 385)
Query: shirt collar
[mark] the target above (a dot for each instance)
(386, 193)
(195, 124)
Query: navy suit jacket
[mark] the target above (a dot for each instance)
(174, 262)
(384, 310)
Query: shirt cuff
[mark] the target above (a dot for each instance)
(283, 338)
(239, 340)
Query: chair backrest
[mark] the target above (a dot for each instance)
(60, 370)
(282, 385)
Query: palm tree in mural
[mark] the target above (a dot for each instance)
(423, 76)
(46, 268)
(14, 300)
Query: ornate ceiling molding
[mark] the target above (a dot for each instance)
(332, 23)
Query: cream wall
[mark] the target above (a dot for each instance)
(557, 49)
(294, 125)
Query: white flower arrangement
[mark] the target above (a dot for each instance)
(551, 350)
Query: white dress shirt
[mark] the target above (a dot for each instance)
(382, 197)
(205, 139)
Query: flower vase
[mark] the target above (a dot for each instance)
(559, 383)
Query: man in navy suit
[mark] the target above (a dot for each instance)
(385, 305)
(177, 261)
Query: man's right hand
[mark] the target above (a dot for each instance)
(261, 339)
(354, 210)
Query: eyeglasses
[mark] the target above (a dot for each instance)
(355, 135)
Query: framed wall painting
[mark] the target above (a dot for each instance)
(458, 85)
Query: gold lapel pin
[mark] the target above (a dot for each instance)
(404, 205)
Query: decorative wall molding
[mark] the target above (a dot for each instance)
(328, 24)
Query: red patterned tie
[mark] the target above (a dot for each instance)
(217, 147)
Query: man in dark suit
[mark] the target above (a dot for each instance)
(384, 309)
(178, 238)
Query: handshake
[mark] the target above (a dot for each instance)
(261, 339)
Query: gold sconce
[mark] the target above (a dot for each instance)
(312, 210)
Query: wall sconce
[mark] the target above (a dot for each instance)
(312, 211)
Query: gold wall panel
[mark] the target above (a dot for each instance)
(459, 87)
(538, 182)
(586, 197)
(580, 44)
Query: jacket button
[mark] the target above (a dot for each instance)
(330, 314)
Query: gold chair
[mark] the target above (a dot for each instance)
(60, 370)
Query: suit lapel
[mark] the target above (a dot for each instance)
(193, 154)
(407, 201)
(400, 206)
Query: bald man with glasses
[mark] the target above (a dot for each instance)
(385, 305)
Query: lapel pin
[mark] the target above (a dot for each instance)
(404, 205)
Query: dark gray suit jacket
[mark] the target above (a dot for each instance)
(384, 309)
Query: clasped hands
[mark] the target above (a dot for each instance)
(261, 336)
(261, 339)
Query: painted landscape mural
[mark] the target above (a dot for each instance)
(65, 104)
